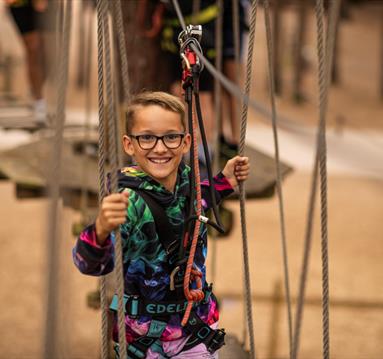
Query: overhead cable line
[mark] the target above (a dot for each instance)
(235, 90)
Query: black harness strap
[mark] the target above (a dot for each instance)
(199, 331)
(164, 229)
(136, 306)
(202, 333)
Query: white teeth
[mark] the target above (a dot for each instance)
(159, 161)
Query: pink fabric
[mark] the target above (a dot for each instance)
(90, 237)
(171, 349)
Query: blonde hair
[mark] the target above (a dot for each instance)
(157, 98)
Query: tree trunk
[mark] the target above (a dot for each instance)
(144, 58)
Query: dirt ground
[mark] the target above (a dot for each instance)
(355, 239)
(355, 252)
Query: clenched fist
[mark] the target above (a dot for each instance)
(112, 213)
(237, 170)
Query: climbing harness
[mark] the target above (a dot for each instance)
(198, 330)
(180, 255)
(136, 306)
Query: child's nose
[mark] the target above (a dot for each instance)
(160, 146)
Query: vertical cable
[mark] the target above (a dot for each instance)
(101, 169)
(51, 349)
(278, 172)
(242, 193)
(325, 58)
(112, 140)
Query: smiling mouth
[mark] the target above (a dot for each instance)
(160, 160)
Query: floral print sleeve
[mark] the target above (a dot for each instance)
(222, 189)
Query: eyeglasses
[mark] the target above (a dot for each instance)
(171, 141)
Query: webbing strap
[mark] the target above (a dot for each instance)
(199, 331)
(202, 333)
(139, 347)
(136, 306)
(164, 229)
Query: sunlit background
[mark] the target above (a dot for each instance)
(355, 187)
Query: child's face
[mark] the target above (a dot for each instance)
(160, 162)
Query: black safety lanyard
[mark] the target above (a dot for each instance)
(191, 87)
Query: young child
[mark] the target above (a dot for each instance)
(156, 137)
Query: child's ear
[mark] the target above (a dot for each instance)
(128, 145)
(186, 143)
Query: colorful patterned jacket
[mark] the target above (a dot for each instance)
(146, 270)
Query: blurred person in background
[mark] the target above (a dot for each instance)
(29, 17)
(164, 23)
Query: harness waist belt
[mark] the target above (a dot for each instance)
(135, 306)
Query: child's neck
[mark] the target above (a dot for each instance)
(169, 183)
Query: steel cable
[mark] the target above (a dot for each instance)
(241, 152)
(51, 349)
(283, 121)
(325, 58)
(236, 34)
(242, 193)
(113, 158)
(278, 172)
(101, 170)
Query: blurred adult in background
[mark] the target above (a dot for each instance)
(165, 22)
(30, 18)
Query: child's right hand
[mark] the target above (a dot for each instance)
(112, 214)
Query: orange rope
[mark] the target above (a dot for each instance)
(192, 274)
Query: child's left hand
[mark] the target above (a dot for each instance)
(237, 170)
